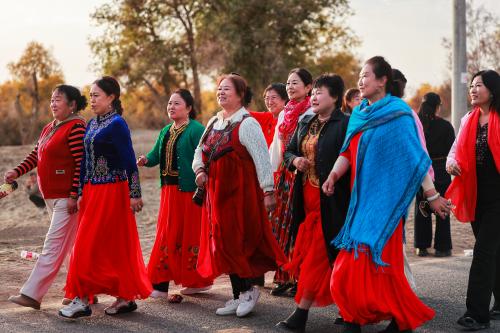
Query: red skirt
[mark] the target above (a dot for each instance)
(175, 251)
(107, 256)
(367, 294)
(236, 236)
(310, 258)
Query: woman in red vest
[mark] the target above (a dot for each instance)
(57, 155)
(232, 165)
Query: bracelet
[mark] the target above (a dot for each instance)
(200, 170)
(268, 193)
(434, 197)
(73, 196)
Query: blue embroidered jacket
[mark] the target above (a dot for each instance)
(108, 156)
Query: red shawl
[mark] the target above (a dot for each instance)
(293, 110)
(463, 189)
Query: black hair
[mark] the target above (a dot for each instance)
(428, 109)
(334, 84)
(382, 68)
(241, 87)
(399, 78)
(188, 99)
(110, 86)
(304, 75)
(72, 94)
(349, 94)
(491, 80)
(280, 89)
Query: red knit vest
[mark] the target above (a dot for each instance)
(56, 165)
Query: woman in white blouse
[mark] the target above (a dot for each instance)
(232, 167)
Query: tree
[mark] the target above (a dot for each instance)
(152, 43)
(263, 40)
(169, 44)
(34, 70)
(483, 40)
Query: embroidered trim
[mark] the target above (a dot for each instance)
(134, 185)
(175, 133)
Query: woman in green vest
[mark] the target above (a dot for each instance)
(175, 251)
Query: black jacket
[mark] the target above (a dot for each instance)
(334, 208)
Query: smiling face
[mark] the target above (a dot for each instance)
(227, 96)
(100, 102)
(355, 101)
(479, 94)
(321, 101)
(368, 84)
(177, 109)
(60, 107)
(295, 88)
(274, 102)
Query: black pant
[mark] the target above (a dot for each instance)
(423, 225)
(239, 285)
(484, 276)
(162, 286)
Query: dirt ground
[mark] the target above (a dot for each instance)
(23, 226)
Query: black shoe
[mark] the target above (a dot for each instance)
(351, 328)
(471, 324)
(442, 254)
(495, 313)
(293, 290)
(280, 288)
(421, 252)
(339, 321)
(296, 322)
(393, 328)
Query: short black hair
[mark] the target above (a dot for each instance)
(334, 84)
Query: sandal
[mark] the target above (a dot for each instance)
(117, 308)
(175, 298)
(472, 324)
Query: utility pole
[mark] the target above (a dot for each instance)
(460, 79)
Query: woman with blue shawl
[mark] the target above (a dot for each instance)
(388, 165)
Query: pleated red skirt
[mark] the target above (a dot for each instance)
(310, 258)
(367, 294)
(107, 256)
(175, 252)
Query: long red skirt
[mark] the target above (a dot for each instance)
(107, 256)
(368, 294)
(175, 252)
(236, 236)
(310, 258)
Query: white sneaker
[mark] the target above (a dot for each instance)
(158, 294)
(191, 291)
(229, 308)
(75, 309)
(248, 299)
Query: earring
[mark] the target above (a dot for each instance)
(110, 107)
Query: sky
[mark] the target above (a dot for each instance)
(407, 32)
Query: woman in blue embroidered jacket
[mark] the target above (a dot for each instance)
(388, 165)
(107, 256)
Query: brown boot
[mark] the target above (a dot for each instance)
(26, 301)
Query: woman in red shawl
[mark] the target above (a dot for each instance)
(298, 87)
(474, 160)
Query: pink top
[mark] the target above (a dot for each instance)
(421, 136)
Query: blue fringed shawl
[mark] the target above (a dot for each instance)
(390, 167)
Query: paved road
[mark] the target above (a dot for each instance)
(441, 284)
